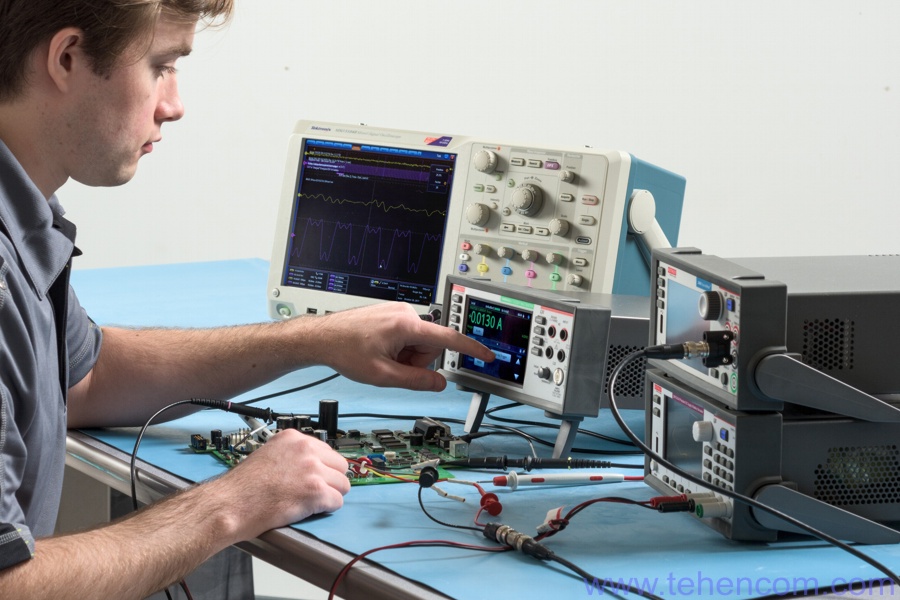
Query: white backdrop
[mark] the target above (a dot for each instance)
(783, 116)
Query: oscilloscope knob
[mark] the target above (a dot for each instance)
(567, 176)
(529, 255)
(506, 252)
(527, 199)
(485, 161)
(554, 258)
(478, 214)
(575, 280)
(481, 249)
(559, 226)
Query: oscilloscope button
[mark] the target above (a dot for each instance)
(535, 163)
(580, 262)
(590, 200)
(566, 198)
(517, 162)
(478, 187)
(456, 298)
(463, 268)
(530, 274)
(552, 165)
(482, 267)
(540, 320)
(538, 330)
(456, 308)
(464, 257)
(555, 277)
(536, 351)
(538, 341)
(490, 189)
(507, 227)
(541, 231)
(506, 271)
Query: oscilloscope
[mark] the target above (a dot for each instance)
(370, 214)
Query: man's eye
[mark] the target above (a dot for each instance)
(164, 70)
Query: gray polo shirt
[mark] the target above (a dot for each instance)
(32, 405)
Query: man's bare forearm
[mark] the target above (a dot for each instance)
(141, 370)
(129, 559)
(293, 476)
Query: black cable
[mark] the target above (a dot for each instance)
(512, 430)
(727, 493)
(133, 471)
(292, 390)
(489, 413)
(506, 535)
(439, 522)
(512, 539)
(851, 586)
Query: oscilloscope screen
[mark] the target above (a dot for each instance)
(369, 221)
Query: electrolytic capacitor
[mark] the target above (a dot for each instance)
(328, 417)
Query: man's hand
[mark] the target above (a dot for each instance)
(291, 477)
(388, 345)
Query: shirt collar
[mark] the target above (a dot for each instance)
(28, 218)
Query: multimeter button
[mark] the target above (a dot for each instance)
(558, 376)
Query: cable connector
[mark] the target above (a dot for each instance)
(506, 535)
(240, 409)
(670, 504)
(685, 350)
(553, 522)
(715, 349)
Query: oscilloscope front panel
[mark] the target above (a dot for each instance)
(370, 215)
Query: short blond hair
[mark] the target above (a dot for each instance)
(111, 27)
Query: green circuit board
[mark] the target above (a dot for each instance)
(381, 451)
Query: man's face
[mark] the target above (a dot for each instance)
(117, 118)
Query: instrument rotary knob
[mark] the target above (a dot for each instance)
(559, 226)
(702, 431)
(506, 252)
(543, 373)
(481, 249)
(575, 280)
(554, 258)
(485, 161)
(478, 214)
(527, 199)
(710, 306)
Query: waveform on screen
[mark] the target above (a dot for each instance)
(380, 204)
(378, 168)
(400, 243)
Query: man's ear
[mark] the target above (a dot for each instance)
(65, 56)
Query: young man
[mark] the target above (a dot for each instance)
(85, 87)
